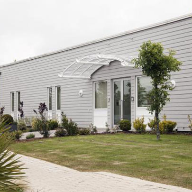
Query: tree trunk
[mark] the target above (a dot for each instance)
(157, 112)
(157, 123)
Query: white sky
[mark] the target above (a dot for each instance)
(33, 27)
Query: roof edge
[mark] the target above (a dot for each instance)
(103, 39)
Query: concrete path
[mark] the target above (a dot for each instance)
(48, 177)
(37, 134)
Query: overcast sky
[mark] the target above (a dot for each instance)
(33, 27)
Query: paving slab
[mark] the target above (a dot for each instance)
(43, 176)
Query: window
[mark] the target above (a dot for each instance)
(18, 100)
(50, 98)
(58, 98)
(12, 101)
(101, 95)
(143, 88)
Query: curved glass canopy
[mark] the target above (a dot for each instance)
(86, 66)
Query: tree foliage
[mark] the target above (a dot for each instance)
(156, 64)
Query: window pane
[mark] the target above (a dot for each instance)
(117, 102)
(18, 100)
(12, 101)
(101, 95)
(143, 88)
(127, 99)
(58, 98)
(50, 98)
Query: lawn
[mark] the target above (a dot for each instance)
(167, 161)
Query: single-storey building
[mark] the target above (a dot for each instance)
(96, 83)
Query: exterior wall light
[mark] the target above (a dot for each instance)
(80, 93)
(173, 83)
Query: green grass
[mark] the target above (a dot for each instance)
(167, 161)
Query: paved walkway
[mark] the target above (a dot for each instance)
(37, 134)
(48, 177)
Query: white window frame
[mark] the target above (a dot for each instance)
(121, 82)
(58, 111)
(49, 111)
(94, 95)
(48, 91)
(102, 112)
(56, 98)
(17, 103)
(136, 89)
(12, 105)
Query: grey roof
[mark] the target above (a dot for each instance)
(103, 39)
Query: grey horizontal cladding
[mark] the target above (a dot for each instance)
(182, 91)
(183, 85)
(181, 76)
(158, 27)
(181, 96)
(177, 117)
(177, 105)
(155, 35)
(178, 112)
(181, 100)
(165, 41)
(35, 75)
(178, 108)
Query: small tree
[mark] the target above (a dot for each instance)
(157, 65)
(42, 122)
(21, 110)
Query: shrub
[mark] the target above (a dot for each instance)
(53, 124)
(69, 125)
(139, 125)
(28, 121)
(125, 125)
(42, 123)
(115, 129)
(21, 126)
(7, 119)
(30, 136)
(72, 128)
(93, 128)
(35, 124)
(84, 131)
(190, 122)
(60, 132)
(107, 128)
(152, 125)
(10, 167)
(166, 126)
(17, 134)
(30, 130)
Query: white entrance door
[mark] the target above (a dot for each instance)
(121, 100)
(143, 86)
(100, 104)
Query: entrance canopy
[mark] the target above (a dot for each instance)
(86, 66)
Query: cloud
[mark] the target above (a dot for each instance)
(30, 28)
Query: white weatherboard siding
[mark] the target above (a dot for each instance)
(33, 76)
